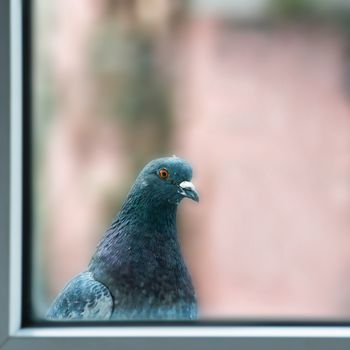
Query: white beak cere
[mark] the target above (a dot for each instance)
(187, 185)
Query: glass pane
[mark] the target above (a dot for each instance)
(254, 94)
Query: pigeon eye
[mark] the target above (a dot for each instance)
(163, 173)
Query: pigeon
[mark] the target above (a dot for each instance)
(137, 271)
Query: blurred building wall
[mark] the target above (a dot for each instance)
(264, 117)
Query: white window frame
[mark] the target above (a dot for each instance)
(14, 336)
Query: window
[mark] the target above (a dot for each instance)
(285, 119)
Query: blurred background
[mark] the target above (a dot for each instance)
(254, 94)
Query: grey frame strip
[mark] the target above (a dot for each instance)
(12, 336)
(4, 167)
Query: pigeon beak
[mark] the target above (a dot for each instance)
(188, 190)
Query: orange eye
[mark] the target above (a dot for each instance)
(163, 173)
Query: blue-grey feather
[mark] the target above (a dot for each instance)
(83, 298)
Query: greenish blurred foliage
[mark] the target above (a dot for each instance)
(131, 87)
(337, 14)
(292, 9)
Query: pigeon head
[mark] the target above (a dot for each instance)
(167, 180)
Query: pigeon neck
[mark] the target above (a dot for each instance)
(144, 211)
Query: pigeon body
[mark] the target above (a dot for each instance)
(137, 271)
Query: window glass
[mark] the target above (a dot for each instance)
(254, 94)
